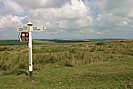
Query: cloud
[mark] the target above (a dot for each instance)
(51, 13)
(9, 7)
(120, 7)
(41, 3)
(70, 15)
(124, 22)
(63, 24)
(86, 30)
(130, 14)
(57, 32)
(85, 18)
(84, 22)
(10, 21)
(101, 33)
(75, 10)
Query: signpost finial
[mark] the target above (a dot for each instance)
(29, 23)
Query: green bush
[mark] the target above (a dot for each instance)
(100, 43)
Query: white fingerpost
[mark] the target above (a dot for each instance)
(27, 31)
(30, 48)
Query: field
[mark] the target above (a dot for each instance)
(67, 65)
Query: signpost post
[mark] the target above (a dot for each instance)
(26, 35)
(30, 48)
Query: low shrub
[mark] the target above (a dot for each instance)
(100, 43)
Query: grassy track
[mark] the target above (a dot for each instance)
(89, 65)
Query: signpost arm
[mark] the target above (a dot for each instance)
(30, 48)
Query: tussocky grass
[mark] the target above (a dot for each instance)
(100, 65)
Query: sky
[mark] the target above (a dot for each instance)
(68, 19)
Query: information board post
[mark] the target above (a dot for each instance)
(30, 48)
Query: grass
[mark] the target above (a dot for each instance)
(88, 65)
(12, 42)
